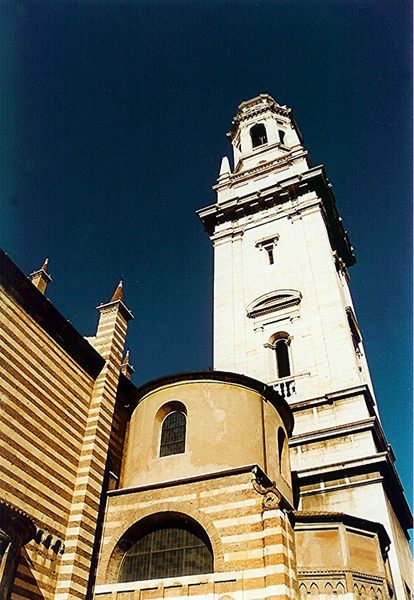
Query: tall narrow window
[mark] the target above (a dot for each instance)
(173, 434)
(283, 452)
(258, 135)
(282, 358)
(269, 250)
(281, 136)
(268, 244)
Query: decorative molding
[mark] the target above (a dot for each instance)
(268, 241)
(277, 164)
(330, 432)
(322, 573)
(279, 193)
(272, 302)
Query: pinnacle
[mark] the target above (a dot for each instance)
(126, 358)
(118, 293)
(41, 277)
(225, 166)
(126, 368)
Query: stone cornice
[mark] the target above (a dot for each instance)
(372, 423)
(272, 302)
(277, 164)
(331, 432)
(348, 520)
(214, 376)
(260, 109)
(187, 480)
(351, 463)
(315, 574)
(115, 306)
(290, 189)
(255, 107)
(377, 462)
(274, 308)
(336, 397)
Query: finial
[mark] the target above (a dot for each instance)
(117, 299)
(224, 167)
(41, 277)
(118, 293)
(126, 368)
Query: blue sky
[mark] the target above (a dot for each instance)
(113, 119)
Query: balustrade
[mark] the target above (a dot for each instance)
(286, 388)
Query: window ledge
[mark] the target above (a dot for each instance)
(290, 377)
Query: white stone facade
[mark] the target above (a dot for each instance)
(321, 351)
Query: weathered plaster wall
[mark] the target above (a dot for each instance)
(227, 426)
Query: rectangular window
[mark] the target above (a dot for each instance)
(269, 251)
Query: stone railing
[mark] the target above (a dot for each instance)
(290, 388)
(285, 388)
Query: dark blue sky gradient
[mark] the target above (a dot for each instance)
(113, 118)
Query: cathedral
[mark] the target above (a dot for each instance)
(268, 477)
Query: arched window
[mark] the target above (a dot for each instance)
(282, 358)
(258, 135)
(174, 548)
(173, 434)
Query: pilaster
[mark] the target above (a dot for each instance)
(75, 576)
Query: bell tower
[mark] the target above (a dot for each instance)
(283, 314)
(282, 308)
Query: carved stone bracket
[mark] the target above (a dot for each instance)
(272, 498)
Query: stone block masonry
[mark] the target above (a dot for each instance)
(251, 538)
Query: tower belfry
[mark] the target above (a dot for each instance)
(283, 314)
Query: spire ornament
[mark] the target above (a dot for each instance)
(119, 292)
(41, 277)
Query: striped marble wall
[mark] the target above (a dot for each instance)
(58, 397)
(251, 537)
